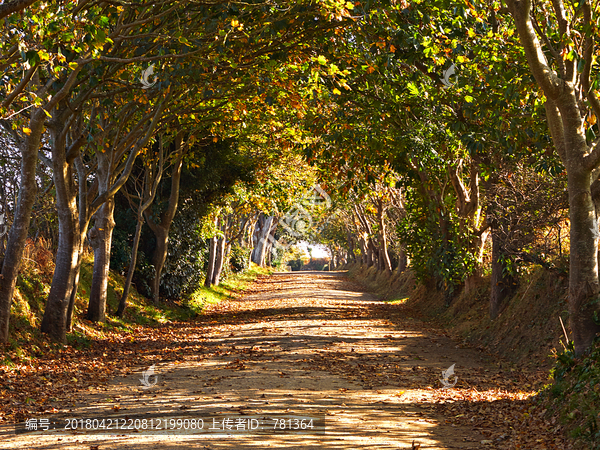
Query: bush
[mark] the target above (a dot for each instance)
(295, 264)
(239, 259)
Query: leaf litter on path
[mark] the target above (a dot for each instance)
(298, 344)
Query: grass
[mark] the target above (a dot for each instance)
(229, 288)
(27, 342)
(398, 301)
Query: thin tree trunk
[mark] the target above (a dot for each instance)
(212, 254)
(132, 264)
(219, 259)
(152, 177)
(73, 296)
(18, 232)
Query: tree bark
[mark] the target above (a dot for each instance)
(261, 236)
(18, 232)
(219, 259)
(132, 264)
(385, 257)
(212, 254)
(161, 229)
(101, 240)
(581, 161)
(54, 322)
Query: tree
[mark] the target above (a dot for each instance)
(559, 42)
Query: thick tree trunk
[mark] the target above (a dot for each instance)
(101, 240)
(564, 112)
(261, 236)
(54, 322)
(18, 232)
(583, 269)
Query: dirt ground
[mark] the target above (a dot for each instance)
(308, 344)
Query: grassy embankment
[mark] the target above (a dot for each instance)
(527, 333)
(26, 341)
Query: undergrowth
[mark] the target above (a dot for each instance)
(574, 395)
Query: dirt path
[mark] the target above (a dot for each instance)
(309, 344)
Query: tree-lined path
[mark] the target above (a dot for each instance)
(308, 343)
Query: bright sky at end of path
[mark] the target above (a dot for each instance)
(318, 250)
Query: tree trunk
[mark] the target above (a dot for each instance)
(219, 260)
(349, 238)
(402, 261)
(132, 264)
(564, 112)
(583, 268)
(54, 322)
(262, 233)
(161, 229)
(101, 240)
(212, 254)
(159, 258)
(73, 297)
(18, 232)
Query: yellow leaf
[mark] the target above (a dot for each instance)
(592, 119)
(27, 131)
(471, 33)
(349, 5)
(336, 91)
(215, 139)
(234, 23)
